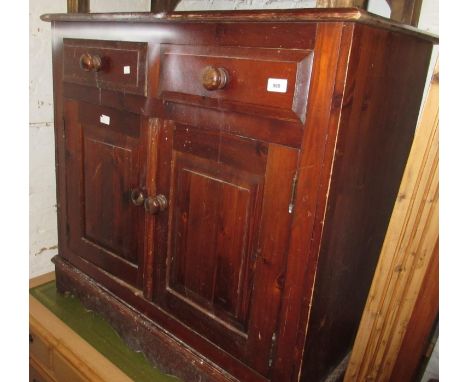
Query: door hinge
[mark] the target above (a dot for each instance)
(293, 193)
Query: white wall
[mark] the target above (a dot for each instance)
(42, 220)
(120, 5)
(202, 5)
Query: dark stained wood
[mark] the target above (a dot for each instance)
(277, 202)
(182, 69)
(103, 165)
(78, 6)
(122, 65)
(163, 5)
(371, 152)
(332, 47)
(420, 327)
(219, 190)
(311, 14)
(287, 133)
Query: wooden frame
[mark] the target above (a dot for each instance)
(163, 5)
(405, 11)
(78, 6)
(341, 3)
(405, 257)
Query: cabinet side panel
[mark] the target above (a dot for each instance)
(386, 77)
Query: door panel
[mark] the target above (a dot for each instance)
(214, 211)
(222, 190)
(104, 163)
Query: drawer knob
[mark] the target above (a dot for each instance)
(156, 204)
(137, 197)
(214, 78)
(90, 63)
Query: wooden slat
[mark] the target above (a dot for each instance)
(341, 3)
(418, 334)
(78, 6)
(407, 250)
(42, 279)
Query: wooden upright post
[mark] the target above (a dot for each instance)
(78, 6)
(163, 5)
(341, 3)
(405, 11)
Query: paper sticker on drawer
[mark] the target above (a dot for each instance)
(104, 119)
(126, 69)
(277, 85)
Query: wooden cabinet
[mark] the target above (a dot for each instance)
(225, 179)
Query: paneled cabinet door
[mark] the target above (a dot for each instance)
(221, 243)
(105, 185)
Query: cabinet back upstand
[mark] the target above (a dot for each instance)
(225, 180)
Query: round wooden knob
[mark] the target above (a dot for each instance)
(214, 78)
(156, 204)
(90, 62)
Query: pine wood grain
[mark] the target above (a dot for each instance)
(76, 352)
(408, 246)
(421, 325)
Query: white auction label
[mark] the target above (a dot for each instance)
(105, 119)
(126, 69)
(277, 85)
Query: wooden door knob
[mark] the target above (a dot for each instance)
(156, 204)
(90, 62)
(137, 197)
(214, 78)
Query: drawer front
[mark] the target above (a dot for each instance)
(114, 65)
(36, 376)
(267, 82)
(64, 371)
(39, 350)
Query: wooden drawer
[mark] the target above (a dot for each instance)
(267, 82)
(64, 371)
(39, 350)
(122, 64)
(36, 376)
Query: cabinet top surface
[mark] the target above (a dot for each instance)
(296, 15)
